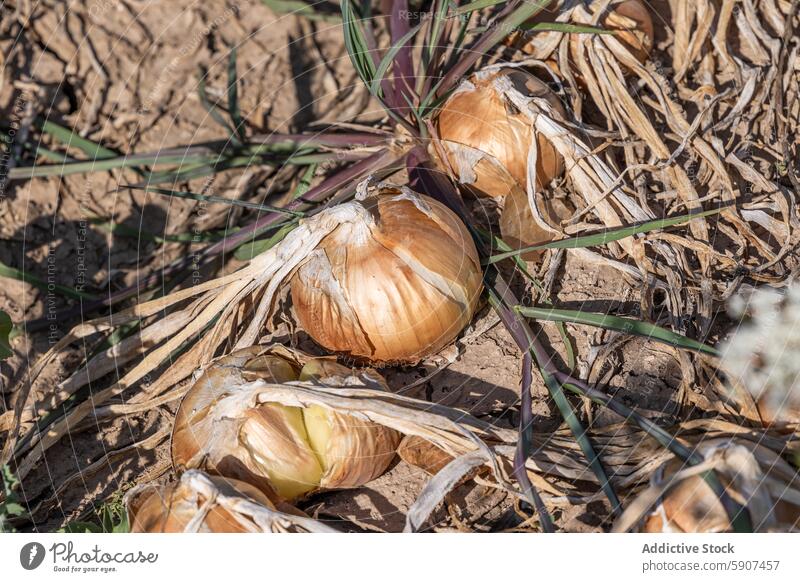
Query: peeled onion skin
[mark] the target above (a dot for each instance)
(170, 508)
(214, 384)
(476, 121)
(285, 452)
(394, 289)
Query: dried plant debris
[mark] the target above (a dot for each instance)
(708, 120)
(679, 500)
(676, 107)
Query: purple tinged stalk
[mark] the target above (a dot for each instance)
(402, 67)
(375, 56)
(323, 189)
(436, 53)
(508, 20)
(521, 453)
(520, 332)
(427, 180)
(352, 139)
(371, 164)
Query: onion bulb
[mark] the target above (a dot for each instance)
(633, 26)
(221, 427)
(753, 476)
(421, 453)
(394, 285)
(173, 507)
(519, 229)
(486, 141)
(198, 502)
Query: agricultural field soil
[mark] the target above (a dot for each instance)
(125, 74)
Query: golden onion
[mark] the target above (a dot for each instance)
(752, 475)
(222, 428)
(173, 507)
(396, 284)
(486, 141)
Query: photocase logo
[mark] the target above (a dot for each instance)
(31, 555)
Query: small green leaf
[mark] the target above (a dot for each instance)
(623, 324)
(14, 509)
(39, 150)
(12, 273)
(249, 250)
(607, 236)
(76, 527)
(71, 139)
(5, 329)
(356, 44)
(9, 480)
(299, 8)
(473, 6)
(123, 526)
(305, 181)
(10, 507)
(565, 28)
(111, 515)
(213, 109)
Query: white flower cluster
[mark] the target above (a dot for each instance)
(764, 352)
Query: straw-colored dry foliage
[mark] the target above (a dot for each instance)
(709, 120)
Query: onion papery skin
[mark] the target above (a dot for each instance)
(486, 141)
(394, 286)
(420, 453)
(170, 508)
(286, 452)
(192, 420)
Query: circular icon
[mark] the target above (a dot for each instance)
(31, 555)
